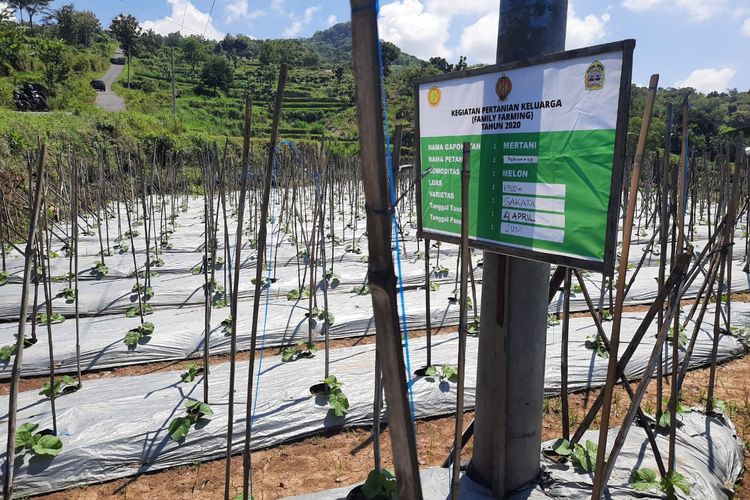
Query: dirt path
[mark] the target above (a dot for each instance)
(108, 100)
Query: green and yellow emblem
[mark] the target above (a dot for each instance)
(433, 96)
(593, 78)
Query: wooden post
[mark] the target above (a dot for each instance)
(599, 485)
(262, 235)
(235, 290)
(10, 451)
(380, 264)
(564, 356)
(462, 319)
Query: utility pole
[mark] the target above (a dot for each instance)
(174, 92)
(510, 371)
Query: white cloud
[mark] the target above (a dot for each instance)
(701, 10)
(696, 10)
(278, 6)
(584, 31)
(746, 27)
(293, 30)
(186, 19)
(331, 20)
(238, 9)
(310, 13)
(414, 29)
(708, 79)
(640, 5)
(452, 8)
(479, 40)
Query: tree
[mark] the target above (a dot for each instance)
(217, 73)
(11, 40)
(461, 64)
(127, 31)
(151, 41)
(56, 58)
(193, 51)
(441, 63)
(173, 39)
(235, 48)
(338, 72)
(76, 27)
(32, 7)
(390, 54)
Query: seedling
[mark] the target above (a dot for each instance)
(41, 444)
(644, 480)
(99, 269)
(122, 247)
(443, 372)
(321, 315)
(333, 279)
(180, 426)
(3, 277)
(157, 262)
(584, 457)
(227, 326)
(440, 271)
(54, 319)
(132, 312)
(147, 291)
(69, 294)
(552, 320)
(381, 484)
(362, 290)
(63, 278)
(193, 370)
(135, 335)
(297, 293)
(596, 343)
(664, 419)
(65, 386)
(10, 350)
(606, 315)
(434, 286)
(672, 481)
(297, 351)
(473, 328)
(682, 340)
(337, 400)
(353, 248)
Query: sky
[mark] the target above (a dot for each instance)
(703, 44)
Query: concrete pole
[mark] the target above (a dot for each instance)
(510, 371)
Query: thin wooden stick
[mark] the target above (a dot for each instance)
(10, 450)
(235, 291)
(262, 235)
(599, 484)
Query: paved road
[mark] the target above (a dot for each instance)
(108, 100)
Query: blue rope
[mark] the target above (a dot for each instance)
(267, 292)
(394, 220)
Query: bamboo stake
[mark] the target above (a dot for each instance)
(462, 327)
(10, 451)
(621, 276)
(379, 225)
(261, 244)
(235, 290)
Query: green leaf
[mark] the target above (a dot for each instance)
(562, 447)
(179, 428)
(450, 373)
(132, 337)
(672, 481)
(584, 457)
(198, 408)
(293, 294)
(48, 446)
(431, 371)
(338, 403)
(644, 480)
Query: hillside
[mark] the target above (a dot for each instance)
(211, 79)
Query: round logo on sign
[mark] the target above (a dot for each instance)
(593, 78)
(433, 96)
(503, 87)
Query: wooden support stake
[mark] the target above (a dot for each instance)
(10, 450)
(380, 264)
